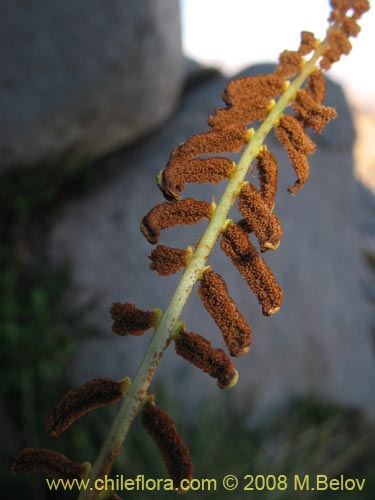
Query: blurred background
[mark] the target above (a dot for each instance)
(93, 97)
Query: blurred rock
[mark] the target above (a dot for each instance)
(80, 78)
(318, 345)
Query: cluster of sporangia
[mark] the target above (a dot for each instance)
(248, 99)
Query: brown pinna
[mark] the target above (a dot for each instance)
(237, 246)
(310, 113)
(161, 428)
(167, 215)
(129, 320)
(268, 171)
(166, 260)
(49, 462)
(214, 294)
(259, 218)
(81, 400)
(199, 352)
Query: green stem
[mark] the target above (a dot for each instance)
(131, 404)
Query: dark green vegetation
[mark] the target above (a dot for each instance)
(37, 331)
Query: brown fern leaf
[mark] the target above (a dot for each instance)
(128, 320)
(289, 64)
(340, 9)
(228, 139)
(218, 303)
(290, 61)
(242, 90)
(350, 27)
(166, 260)
(311, 114)
(339, 44)
(308, 43)
(49, 462)
(202, 170)
(161, 428)
(298, 145)
(247, 99)
(297, 137)
(199, 351)
(184, 166)
(236, 245)
(168, 215)
(80, 401)
(268, 169)
(316, 85)
(259, 218)
(343, 17)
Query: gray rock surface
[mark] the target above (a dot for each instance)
(79, 78)
(318, 345)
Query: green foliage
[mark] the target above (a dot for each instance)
(34, 336)
(37, 331)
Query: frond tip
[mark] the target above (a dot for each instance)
(343, 19)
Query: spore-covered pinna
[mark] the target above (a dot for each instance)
(287, 101)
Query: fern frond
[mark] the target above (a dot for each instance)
(287, 101)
